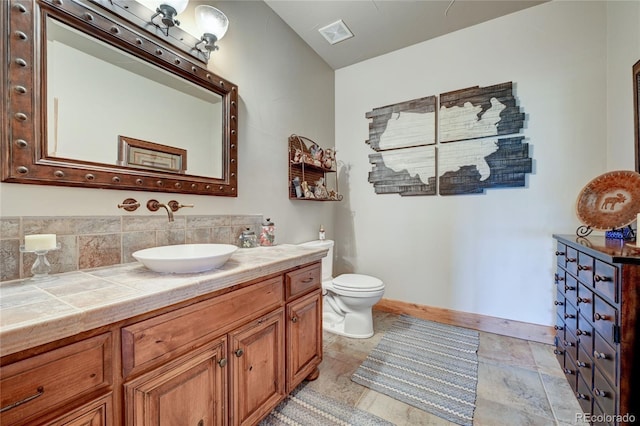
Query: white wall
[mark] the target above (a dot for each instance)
(284, 88)
(490, 254)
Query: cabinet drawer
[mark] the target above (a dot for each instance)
(585, 268)
(604, 357)
(61, 376)
(561, 252)
(570, 344)
(584, 332)
(303, 280)
(571, 289)
(603, 393)
(604, 319)
(585, 365)
(605, 280)
(583, 393)
(158, 339)
(584, 301)
(571, 264)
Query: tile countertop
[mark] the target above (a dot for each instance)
(34, 313)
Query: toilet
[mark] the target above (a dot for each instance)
(347, 299)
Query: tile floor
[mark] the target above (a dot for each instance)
(519, 382)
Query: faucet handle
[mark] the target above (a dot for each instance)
(153, 205)
(175, 206)
(129, 204)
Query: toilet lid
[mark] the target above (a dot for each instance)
(357, 282)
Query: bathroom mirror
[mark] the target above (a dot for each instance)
(94, 101)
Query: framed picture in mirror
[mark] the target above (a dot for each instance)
(636, 111)
(150, 155)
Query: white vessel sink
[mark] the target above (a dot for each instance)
(185, 258)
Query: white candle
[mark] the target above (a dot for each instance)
(40, 242)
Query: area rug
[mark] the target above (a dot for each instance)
(428, 365)
(306, 407)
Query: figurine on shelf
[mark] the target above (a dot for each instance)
(316, 155)
(306, 191)
(297, 156)
(320, 191)
(296, 186)
(328, 158)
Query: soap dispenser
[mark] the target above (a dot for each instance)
(321, 234)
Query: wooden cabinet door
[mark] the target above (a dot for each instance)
(190, 391)
(257, 364)
(304, 338)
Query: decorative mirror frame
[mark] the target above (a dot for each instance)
(636, 111)
(23, 92)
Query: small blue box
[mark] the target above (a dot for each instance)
(620, 234)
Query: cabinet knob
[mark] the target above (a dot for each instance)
(239, 352)
(581, 396)
(222, 362)
(569, 288)
(567, 343)
(571, 259)
(558, 352)
(597, 278)
(599, 355)
(582, 332)
(599, 392)
(567, 371)
(583, 267)
(558, 303)
(583, 300)
(597, 317)
(581, 364)
(294, 319)
(559, 253)
(558, 327)
(569, 316)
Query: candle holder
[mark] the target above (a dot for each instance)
(41, 266)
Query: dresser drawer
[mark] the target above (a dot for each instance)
(584, 333)
(303, 280)
(604, 319)
(571, 263)
(585, 268)
(561, 254)
(604, 357)
(585, 365)
(583, 393)
(570, 344)
(571, 289)
(147, 343)
(603, 392)
(605, 280)
(61, 376)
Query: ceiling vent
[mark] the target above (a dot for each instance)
(336, 32)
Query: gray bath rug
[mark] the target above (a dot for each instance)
(306, 407)
(428, 365)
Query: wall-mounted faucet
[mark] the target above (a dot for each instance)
(175, 206)
(154, 206)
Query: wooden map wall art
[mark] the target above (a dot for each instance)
(478, 145)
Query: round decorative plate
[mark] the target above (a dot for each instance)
(612, 200)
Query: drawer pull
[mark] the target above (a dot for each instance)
(567, 371)
(582, 332)
(583, 300)
(569, 288)
(597, 278)
(582, 396)
(559, 253)
(567, 343)
(598, 316)
(558, 327)
(307, 280)
(558, 303)
(294, 319)
(239, 352)
(558, 278)
(569, 316)
(571, 259)
(40, 392)
(599, 392)
(581, 364)
(558, 352)
(222, 362)
(599, 355)
(583, 268)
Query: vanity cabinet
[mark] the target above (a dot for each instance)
(224, 358)
(35, 389)
(597, 341)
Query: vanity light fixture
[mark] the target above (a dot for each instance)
(213, 24)
(167, 10)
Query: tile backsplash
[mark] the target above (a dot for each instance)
(95, 241)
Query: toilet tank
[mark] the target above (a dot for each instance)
(327, 261)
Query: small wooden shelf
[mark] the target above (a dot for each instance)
(305, 165)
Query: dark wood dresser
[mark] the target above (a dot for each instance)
(598, 303)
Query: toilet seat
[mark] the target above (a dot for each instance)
(357, 283)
